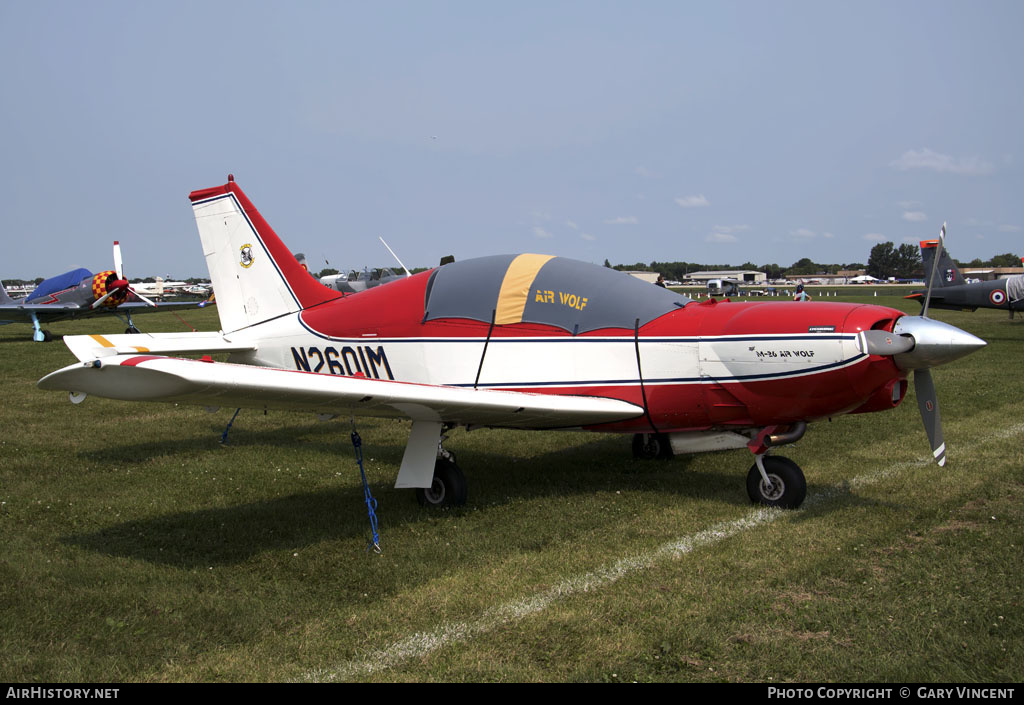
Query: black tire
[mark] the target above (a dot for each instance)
(789, 487)
(47, 336)
(448, 488)
(131, 330)
(649, 446)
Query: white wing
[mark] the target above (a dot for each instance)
(156, 378)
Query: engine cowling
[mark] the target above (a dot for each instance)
(107, 282)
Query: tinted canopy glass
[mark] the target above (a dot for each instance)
(572, 295)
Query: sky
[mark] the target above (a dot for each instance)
(713, 132)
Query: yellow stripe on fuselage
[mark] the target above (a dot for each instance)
(515, 287)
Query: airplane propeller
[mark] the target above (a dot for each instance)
(120, 284)
(920, 343)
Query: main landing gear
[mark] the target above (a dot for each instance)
(448, 488)
(38, 334)
(648, 446)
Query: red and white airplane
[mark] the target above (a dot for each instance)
(527, 342)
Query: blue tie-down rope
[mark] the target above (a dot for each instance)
(224, 436)
(371, 503)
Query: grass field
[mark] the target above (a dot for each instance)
(135, 547)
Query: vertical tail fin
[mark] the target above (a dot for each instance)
(947, 273)
(254, 275)
(4, 296)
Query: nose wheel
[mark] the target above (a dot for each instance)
(775, 481)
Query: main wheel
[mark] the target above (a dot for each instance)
(131, 330)
(788, 485)
(448, 488)
(648, 446)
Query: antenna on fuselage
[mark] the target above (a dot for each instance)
(407, 272)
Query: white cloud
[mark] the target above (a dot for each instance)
(914, 216)
(874, 237)
(541, 232)
(827, 236)
(803, 233)
(570, 224)
(623, 220)
(720, 237)
(725, 233)
(644, 172)
(941, 163)
(693, 201)
(1009, 228)
(731, 228)
(587, 236)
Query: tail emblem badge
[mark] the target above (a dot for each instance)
(247, 258)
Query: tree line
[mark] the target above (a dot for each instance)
(886, 260)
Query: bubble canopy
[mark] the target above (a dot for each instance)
(575, 296)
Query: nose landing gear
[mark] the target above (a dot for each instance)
(775, 481)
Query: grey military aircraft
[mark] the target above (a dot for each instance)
(355, 281)
(951, 291)
(75, 294)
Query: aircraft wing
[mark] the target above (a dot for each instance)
(42, 308)
(157, 378)
(90, 347)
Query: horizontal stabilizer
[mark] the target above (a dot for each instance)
(155, 378)
(90, 347)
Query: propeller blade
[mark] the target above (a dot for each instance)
(117, 260)
(151, 303)
(935, 270)
(928, 403)
(100, 300)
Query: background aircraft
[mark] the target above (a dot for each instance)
(354, 281)
(160, 288)
(521, 341)
(951, 291)
(76, 294)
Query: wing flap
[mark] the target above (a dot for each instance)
(90, 347)
(157, 378)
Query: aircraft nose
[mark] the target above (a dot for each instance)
(935, 343)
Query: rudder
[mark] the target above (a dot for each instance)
(947, 273)
(254, 275)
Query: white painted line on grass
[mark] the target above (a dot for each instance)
(421, 644)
